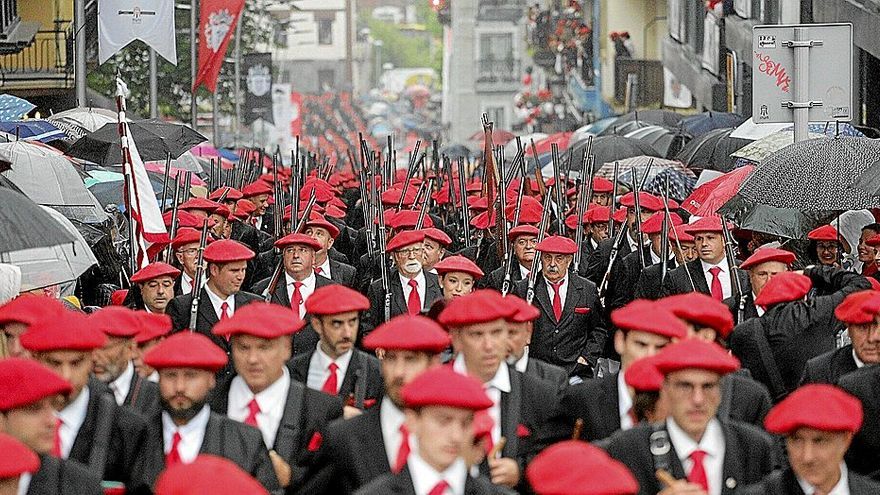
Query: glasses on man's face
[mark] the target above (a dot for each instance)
(410, 252)
(189, 252)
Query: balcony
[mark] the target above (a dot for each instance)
(497, 75)
(501, 10)
(46, 63)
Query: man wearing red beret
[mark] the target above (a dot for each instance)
(681, 245)
(522, 242)
(571, 330)
(155, 283)
(435, 244)
(17, 315)
(520, 326)
(19, 460)
(239, 231)
(323, 231)
(863, 455)
(258, 193)
(28, 392)
(818, 422)
(186, 251)
(762, 265)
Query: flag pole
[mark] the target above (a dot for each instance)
(154, 85)
(237, 97)
(193, 36)
(215, 113)
(79, 44)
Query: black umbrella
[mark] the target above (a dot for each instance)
(711, 151)
(700, 124)
(790, 223)
(661, 117)
(155, 139)
(24, 225)
(607, 149)
(623, 128)
(667, 142)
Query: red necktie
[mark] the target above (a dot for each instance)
(330, 386)
(253, 410)
(296, 298)
(224, 311)
(439, 488)
(697, 475)
(173, 455)
(485, 418)
(557, 299)
(414, 303)
(56, 444)
(403, 450)
(716, 290)
(318, 270)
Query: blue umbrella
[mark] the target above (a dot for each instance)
(706, 122)
(13, 107)
(681, 185)
(831, 129)
(228, 154)
(33, 130)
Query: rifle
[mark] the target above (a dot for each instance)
(410, 171)
(462, 193)
(542, 188)
(586, 177)
(173, 229)
(197, 278)
(279, 268)
(424, 209)
(383, 264)
(277, 211)
(664, 240)
(542, 229)
(165, 181)
(560, 215)
(508, 260)
(637, 224)
(735, 286)
(295, 187)
(613, 198)
(500, 218)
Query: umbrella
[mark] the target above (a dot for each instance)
(607, 149)
(666, 141)
(752, 131)
(499, 136)
(681, 183)
(593, 129)
(13, 107)
(510, 149)
(624, 175)
(662, 117)
(32, 130)
(188, 162)
(711, 151)
(154, 139)
(24, 225)
(707, 198)
(626, 127)
(700, 124)
(560, 139)
(454, 151)
(111, 192)
(77, 122)
(791, 223)
(815, 174)
(757, 151)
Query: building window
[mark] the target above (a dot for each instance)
(8, 14)
(325, 32)
(496, 115)
(496, 60)
(326, 79)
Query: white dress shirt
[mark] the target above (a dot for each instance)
(186, 283)
(624, 403)
(271, 401)
(723, 276)
(841, 488)
(192, 434)
(859, 362)
(390, 419)
(318, 368)
(494, 387)
(325, 268)
(712, 443)
(154, 377)
(759, 309)
(523, 272)
(523, 362)
(217, 302)
(425, 478)
(122, 384)
(24, 482)
(305, 290)
(563, 289)
(72, 418)
(420, 280)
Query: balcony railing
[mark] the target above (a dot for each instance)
(498, 75)
(501, 10)
(48, 58)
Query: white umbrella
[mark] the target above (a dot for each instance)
(510, 148)
(77, 122)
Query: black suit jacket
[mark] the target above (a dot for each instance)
(749, 309)
(363, 368)
(648, 285)
(245, 234)
(402, 483)
(62, 477)
(240, 443)
(743, 399)
(624, 277)
(596, 402)
(343, 273)
(597, 263)
(579, 333)
(547, 372)
(677, 281)
(306, 414)
(829, 367)
(863, 455)
(143, 395)
(784, 482)
(376, 314)
(179, 307)
(495, 279)
(748, 456)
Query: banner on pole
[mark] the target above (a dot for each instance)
(257, 71)
(122, 21)
(217, 21)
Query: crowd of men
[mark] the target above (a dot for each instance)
(642, 360)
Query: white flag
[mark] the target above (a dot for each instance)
(122, 21)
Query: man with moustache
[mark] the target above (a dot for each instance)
(325, 233)
(155, 286)
(186, 251)
(522, 241)
(184, 426)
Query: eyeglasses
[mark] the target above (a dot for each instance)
(188, 252)
(410, 252)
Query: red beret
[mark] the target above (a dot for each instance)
(232, 194)
(701, 310)
(155, 270)
(525, 312)
(602, 185)
(207, 474)
(519, 230)
(255, 189)
(334, 299)
(695, 354)
(185, 236)
(409, 333)
(784, 287)
(873, 241)
(705, 224)
(117, 321)
(818, 406)
(680, 232)
(318, 221)
(875, 284)
(654, 225)
(227, 251)
(480, 306)
(186, 350)
(571, 221)
(859, 308)
(478, 203)
(198, 203)
(441, 386)
(153, 326)
(647, 201)
(556, 244)
(184, 219)
(392, 196)
(530, 210)
(261, 319)
(823, 233)
(223, 211)
(28, 309)
(458, 264)
(243, 208)
(643, 375)
(17, 458)
(620, 215)
(763, 255)
(334, 212)
(25, 381)
(474, 185)
(404, 239)
(118, 296)
(647, 316)
(437, 236)
(598, 214)
(68, 332)
(301, 239)
(574, 467)
(408, 219)
(483, 220)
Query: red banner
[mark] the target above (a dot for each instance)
(217, 21)
(296, 123)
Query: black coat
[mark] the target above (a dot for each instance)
(552, 374)
(240, 443)
(863, 455)
(402, 483)
(62, 477)
(648, 286)
(597, 263)
(784, 482)
(748, 456)
(749, 309)
(362, 369)
(343, 273)
(829, 367)
(495, 279)
(624, 277)
(677, 281)
(743, 399)
(119, 428)
(580, 332)
(306, 414)
(245, 234)
(179, 307)
(376, 315)
(143, 395)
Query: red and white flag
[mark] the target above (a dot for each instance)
(148, 227)
(217, 21)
